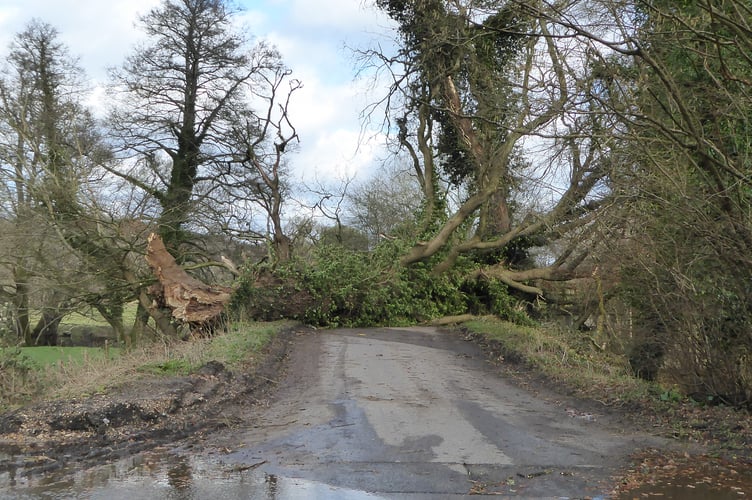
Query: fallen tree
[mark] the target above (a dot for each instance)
(191, 301)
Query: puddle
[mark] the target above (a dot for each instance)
(165, 477)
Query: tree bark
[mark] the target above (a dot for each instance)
(453, 320)
(45, 333)
(21, 306)
(191, 301)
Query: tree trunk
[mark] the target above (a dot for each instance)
(21, 306)
(45, 333)
(453, 320)
(192, 302)
(113, 314)
(145, 303)
(140, 325)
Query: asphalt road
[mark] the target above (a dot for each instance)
(409, 413)
(415, 413)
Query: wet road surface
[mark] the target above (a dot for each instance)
(417, 412)
(378, 413)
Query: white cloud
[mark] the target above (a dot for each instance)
(99, 33)
(350, 16)
(310, 35)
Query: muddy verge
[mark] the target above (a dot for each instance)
(136, 416)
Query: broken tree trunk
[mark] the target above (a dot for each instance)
(191, 301)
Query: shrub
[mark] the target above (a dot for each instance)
(18, 376)
(341, 287)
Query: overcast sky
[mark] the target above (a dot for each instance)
(310, 34)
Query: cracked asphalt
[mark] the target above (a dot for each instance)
(417, 413)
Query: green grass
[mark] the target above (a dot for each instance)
(43, 372)
(90, 317)
(241, 341)
(239, 345)
(570, 358)
(45, 356)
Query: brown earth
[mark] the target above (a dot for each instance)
(136, 416)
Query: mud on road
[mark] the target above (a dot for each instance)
(404, 412)
(134, 416)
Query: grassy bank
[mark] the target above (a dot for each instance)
(569, 358)
(47, 356)
(28, 374)
(575, 364)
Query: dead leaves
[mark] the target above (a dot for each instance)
(675, 475)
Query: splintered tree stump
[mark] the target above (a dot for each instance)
(191, 301)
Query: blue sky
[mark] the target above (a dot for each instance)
(310, 34)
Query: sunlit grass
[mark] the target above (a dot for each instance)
(239, 345)
(573, 362)
(90, 317)
(73, 371)
(44, 356)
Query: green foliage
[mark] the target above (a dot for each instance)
(339, 287)
(685, 272)
(688, 287)
(346, 288)
(671, 395)
(16, 359)
(489, 296)
(17, 375)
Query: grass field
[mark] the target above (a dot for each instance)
(44, 356)
(31, 373)
(90, 317)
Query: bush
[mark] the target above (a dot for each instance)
(341, 287)
(692, 323)
(18, 376)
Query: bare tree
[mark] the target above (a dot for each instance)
(385, 206)
(186, 129)
(178, 100)
(256, 176)
(48, 148)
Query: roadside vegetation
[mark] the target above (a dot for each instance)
(579, 366)
(31, 374)
(581, 164)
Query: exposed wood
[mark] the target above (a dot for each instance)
(190, 300)
(453, 320)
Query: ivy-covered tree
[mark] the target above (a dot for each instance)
(672, 80)
(691, 137)
(476, 83)
(50, 150)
